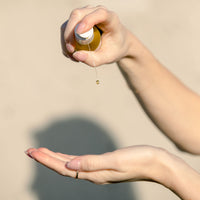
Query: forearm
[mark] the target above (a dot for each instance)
(176, 175)
(171, 106)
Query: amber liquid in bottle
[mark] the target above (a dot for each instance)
(90, 43)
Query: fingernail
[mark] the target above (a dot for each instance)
(80, 56)
(28, 154)
(80, 28)
(74, 165)
(70, 48)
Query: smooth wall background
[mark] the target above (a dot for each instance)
(47, 100)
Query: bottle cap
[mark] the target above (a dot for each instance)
(84, 38)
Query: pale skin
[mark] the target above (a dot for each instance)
(173, 108)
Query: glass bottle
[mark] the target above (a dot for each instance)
(89, 40)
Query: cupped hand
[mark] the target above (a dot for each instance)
(127, 164)
(115, 37)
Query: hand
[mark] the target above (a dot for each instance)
(128, 164)
(115, 37)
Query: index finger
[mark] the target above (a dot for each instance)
(52, 163)
(75, 16)
(103, 18)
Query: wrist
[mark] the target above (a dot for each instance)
(137, 63)
(158, 166)
(139, 67)
(135, 52)
(176, 175)
(163, 168)
(155, 165)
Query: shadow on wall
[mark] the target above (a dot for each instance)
(75, 136)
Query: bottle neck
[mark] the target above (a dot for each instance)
(85, 41)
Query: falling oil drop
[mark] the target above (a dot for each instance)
(97, 82)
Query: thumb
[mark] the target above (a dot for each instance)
(92, 58)
(89, 163)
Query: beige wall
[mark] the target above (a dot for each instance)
(46, 100)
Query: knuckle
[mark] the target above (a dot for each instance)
(93, 64)
(95, 61)
(76, 13)
(103, 11)
(114, 15)
(97, 180)
(87, 163)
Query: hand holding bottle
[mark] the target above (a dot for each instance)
(115, 40)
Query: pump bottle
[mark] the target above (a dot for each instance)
(89, 41)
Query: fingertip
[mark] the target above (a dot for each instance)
(80, 27)
(80, 56)
(29, 152)
(38, 155)
(70, 48)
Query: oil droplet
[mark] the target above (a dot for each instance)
(97, 82)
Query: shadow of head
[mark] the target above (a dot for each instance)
(75, 136)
